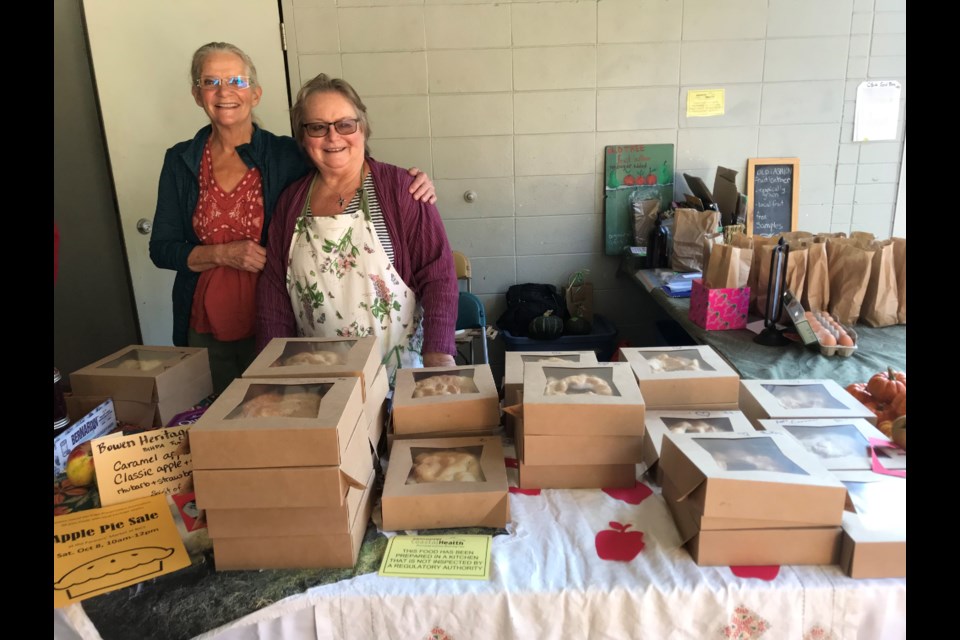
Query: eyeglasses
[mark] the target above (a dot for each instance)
(344, 127)
(212, 82)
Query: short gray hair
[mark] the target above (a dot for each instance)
(200, 56)
(325, 84)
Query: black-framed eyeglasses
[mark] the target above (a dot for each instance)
(344, 127)
(212, 82)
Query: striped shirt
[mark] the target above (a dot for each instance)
(376, 215)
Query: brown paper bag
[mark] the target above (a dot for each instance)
(900, 266)
(880, 302)
(689, 229)
(729, 267)
(849, 275)
(796, 275)
(644, 216)
(758, 242)
(816, 290)
(709, 241)
(862, 239)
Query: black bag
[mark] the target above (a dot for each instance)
(527, 301)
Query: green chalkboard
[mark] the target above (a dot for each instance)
(627, 169)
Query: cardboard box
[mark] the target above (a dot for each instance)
(138, 414)
(375, 406)
(174, 378)
(548, 409)
(580, 476)
(841, 444)
(663, 421)
(874, 543)
(753, 476)
(476, 407)
(718, 309)
(280, 487)
(804, 399)
(325, 550)
(288, 521)
(408, 504)
(577, 450)
(513, 368)
(319, 358)
(693, 377)
(224, 438)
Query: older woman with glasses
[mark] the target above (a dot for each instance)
(350, 254)
(216, 198)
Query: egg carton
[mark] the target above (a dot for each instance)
(837, 350)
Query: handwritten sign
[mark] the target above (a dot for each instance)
(100, 550)
(454, 557)
(143, 464)
(703, 103)
(643, 170)
(773, 195)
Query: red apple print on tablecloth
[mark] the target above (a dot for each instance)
(766, 572)
(744, 625)
(631, 495)
(619, 544)
(525, 492)
(511, 463)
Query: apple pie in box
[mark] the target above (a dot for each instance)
(792, 399)
(581, 400)
(841, 444)
(663, 421)
(446, 482)
(435, 400)
(173, 378)
(686, 378)
(874, 543)
(515, 361)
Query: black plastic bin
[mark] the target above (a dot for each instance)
(602, 340)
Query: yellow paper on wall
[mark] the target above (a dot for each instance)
(143, 464)
(452, 557)
(702, 103)
(101, 550)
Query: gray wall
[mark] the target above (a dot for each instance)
(92, 304)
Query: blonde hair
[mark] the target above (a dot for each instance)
(325, 84)
(200, 56)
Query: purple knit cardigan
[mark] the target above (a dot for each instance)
(421, 250)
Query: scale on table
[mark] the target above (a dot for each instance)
(771, 336)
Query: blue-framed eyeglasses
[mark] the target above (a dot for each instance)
(344, 127)
(213, 82)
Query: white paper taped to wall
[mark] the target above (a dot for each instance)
(878, 107)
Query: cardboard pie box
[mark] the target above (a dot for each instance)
(547, 410)
(476, 407)
(753, 546)
(409, 504)
(224, 438)
(478, 433)
(874, 542)
(578, 476)
(288, 521)
(663, 421)
(315, 551)
(139, 414)
(786, 399)
(283, 487)
(174, 378)
(513, 368)
(375, 405)
(693, 377)
(577, 450)
(758, 476)
(841, 444)
(335, 358)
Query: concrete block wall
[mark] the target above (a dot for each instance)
(517, 100)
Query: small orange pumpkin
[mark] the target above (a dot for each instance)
(859, 391)
(887, 385)
(899, 405)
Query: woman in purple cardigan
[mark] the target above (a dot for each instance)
(350, 253)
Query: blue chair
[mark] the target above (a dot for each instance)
(472, 316)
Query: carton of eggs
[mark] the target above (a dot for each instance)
(834, 338)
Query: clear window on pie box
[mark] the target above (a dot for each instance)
(440, 383)
(749, 454)
(697, 425)
(836, 441)
(435, 464)
(142, 360)
(281, 401)
(573, 357)
(570, 382)
(803, 396)
(314, 353)
(670, 361)
(881, 504)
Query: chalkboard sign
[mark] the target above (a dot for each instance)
(773, 195)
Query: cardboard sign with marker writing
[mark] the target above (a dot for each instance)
(142, 464)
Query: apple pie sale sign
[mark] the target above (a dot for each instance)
(143, 464)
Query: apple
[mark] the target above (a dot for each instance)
(652, 178)
(761, 572)
(619, 544)
(525, 492)
(80, 465)
(632, 495)
(628, 180)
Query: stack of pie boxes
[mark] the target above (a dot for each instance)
(446, 465)
(283, 459)
(582, 425)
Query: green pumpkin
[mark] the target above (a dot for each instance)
(545, 327)
(576, 326)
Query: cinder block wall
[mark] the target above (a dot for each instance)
(517, 100)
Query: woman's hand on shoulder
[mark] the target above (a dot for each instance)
(422, 187)
(436, 359)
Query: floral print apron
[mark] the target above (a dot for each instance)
(342, 283)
